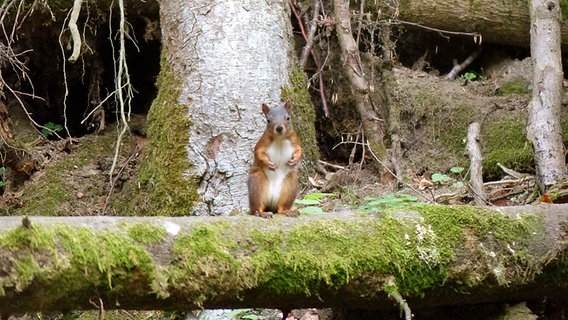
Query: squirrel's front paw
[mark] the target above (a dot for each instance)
(292, 162)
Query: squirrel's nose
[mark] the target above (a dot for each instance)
(280, 129)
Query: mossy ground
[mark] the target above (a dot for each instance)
(435, 115)
(73, 183)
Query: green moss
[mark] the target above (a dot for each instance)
(77, 260)
(56, 192)
(413, 254)
(203, 252)
(564, 8)
(514, 86)
(162, 187)
(331, 253)
(304, 114)
(504, 141)
(147, 233)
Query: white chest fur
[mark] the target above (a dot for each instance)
(279, 152)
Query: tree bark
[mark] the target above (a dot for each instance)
(503, 22)
(433, 255)
(232, 57)
(544, 124)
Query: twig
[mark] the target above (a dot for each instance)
(476, 36)
(299, 18)
(310, 36)
(334, 166)
(360, 22)
(75, 31)
(394, 294)
(476, 168)
(459, 67)
(511, 172)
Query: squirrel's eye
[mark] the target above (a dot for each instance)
(288, 118)
(268, 120)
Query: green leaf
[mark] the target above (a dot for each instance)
(311, 210)
(307, 201)
(238, 312)
(457, 169)
(318, 195)
(251, 317)
(439, 177)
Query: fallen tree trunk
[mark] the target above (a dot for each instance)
(432, 255)
(503, 22)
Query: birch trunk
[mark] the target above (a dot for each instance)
(544, 125)
(232, 56)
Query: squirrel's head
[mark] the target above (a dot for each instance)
(278, 119)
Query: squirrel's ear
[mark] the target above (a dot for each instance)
(265, 108)
(288, 105)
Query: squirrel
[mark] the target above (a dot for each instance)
(273, 180)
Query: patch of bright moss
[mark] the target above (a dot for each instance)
(331, 253)
(505, 142)
(163, 187)
(514, 86)
(76, 259)
(203, 252)
(147, 233)
(564, 9)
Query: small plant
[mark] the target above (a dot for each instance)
(312, 202)
(49, 127)
(471, 76)
(387, 201)
(247, 313)
(2, 172)
(440, 178)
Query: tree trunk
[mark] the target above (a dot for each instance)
(544, 124)
(231, 57)
(433, 255)
(503, 22)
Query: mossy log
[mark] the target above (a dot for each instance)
(432, 255)
(503, 22)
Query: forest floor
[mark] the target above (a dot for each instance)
(71, 177)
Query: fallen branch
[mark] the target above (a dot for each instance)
(435, 255)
